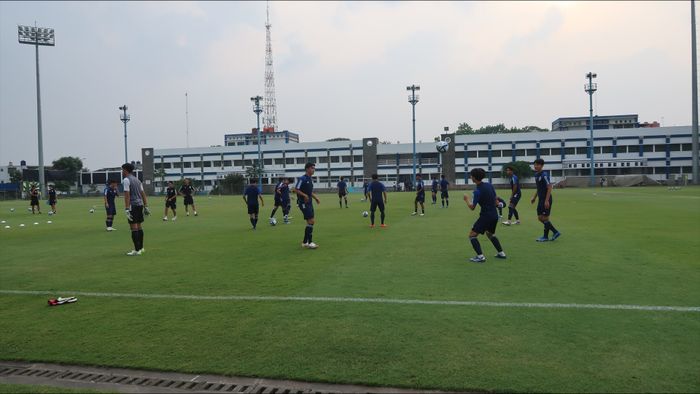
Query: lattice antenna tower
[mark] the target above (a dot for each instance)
(270, 103)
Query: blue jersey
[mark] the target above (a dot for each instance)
(365, 186)
(485, 197)
(443, 185)
(376, 189)
(305, 184)
(435, 185)
(342, 187)
(282, 192)
(542, 181)
(515, 182)
(252, 192)
(110, 194)
(420, 187)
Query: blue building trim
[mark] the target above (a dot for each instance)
(614, 148)
(641, 147)
(490, 161)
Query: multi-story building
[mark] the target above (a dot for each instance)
(599, 123)
(660, 153)
(276, 137)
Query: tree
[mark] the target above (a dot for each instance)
(15, 175)
(338, 139)
(232, 184)
(62, 186)
(520, 168)
(71, 165)
(464, 128)
(500, 128)
(160, 173)
(254, 171)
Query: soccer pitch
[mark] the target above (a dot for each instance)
(399, 306)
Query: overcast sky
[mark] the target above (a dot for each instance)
(341, 69)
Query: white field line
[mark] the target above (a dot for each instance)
(363, 300)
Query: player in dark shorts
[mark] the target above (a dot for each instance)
(376, 192)
(136, 207)
(281, 199)
(500, 203)
(34, 199)
(484, 197)
(365, 191)
(170, 202)
(251, 196)
(52, 198)
(434, 190)
(110, 194)
(544, 205)
(187, 191)
(444, 194)
(342, 192)
(305, 192)
(420, 196)
(515, 194)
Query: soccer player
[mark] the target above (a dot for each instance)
(282, 199)
(187, 190)
(110, 194)
(444, 195)
(251, 196)
(544, 205)
(136, 207)
(342, 192)
(500, 203)
(485, 197)
(34, 199)
(435, 190)
(376, 192)
(515, 195)
(420, 196)
(305, 192)
(365, 188)
(170, 201)
(52, 198)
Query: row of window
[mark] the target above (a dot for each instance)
(614, 164)
(581, 150)
(249, 162)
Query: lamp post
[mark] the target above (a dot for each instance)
(694, 78)
(125, 118)
(413, 99)
(37, 36)
(258, 111)
(590, 88)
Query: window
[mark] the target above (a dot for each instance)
(687, 147)
(570, 151)
(279, 162)
(196, 164)
(519, 152)
(675, 147)
(582, 150)
(648, 148)
(531, 152)
(607, 149)
(323, 159)
(289, 160)
(556, 152)
(156, 166)
(660, 148)
(544, 151)
(177, 164)
(471, 153)
(507, 152)
(267, 162)
(335, 159)
(187, 164)
(633, 148)
(227, 163)
(217, 163)
(357, 159)
(496, 153)
(347, 159)
(238, 163)
(301, 160)
(556, 172)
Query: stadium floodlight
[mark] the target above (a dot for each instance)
(694, 93)
(413, 99)
(256, 108)
(590, 88)
(37, 36)
(125, 118)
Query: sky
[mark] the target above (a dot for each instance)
(341, 69)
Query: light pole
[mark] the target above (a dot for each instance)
(694, 53)
(37, 36)
(590, 88)
(258, 111)
(413, 99)
(125, 118)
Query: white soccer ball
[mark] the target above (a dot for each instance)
(273, 222)
(49, 222)
(92, 210)
(12, 209)
(35, 223)
(3, 222)
(442, 146)
(500, 205)
(365, 214)
(370, 143)
(7, 226)
(29, 209)
(50, 213)
(21, 225)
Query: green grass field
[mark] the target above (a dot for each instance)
(633, 246)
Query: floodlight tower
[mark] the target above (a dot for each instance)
(125, 118)
(413, 99)
(270, 117)
(258, 110)
(37, 36)
(694, 78)
(590, 88)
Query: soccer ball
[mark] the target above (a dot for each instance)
(50, 213)
(273, 222)
(29, 209)
(365, 214)
(12, 209)
(500, 205)
(21, 225)
(49, 222)
(7, 226)
(442, 146)
(92, 210)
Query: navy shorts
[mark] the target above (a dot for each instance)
(136, 214)
(541, 211)
(444, 194)
(485, 223)
(171, 204)
(52, 202)
(34, 201)
(342, 194)
(189, 200)
(514, 200)
(253, 209)
(111, 210)
(307, 210)
(420, 197)
(280, 203)
(377, 204)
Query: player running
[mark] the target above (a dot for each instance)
(435, 190)
(170, 201)
(188, 190)
(34, 199)
(136, 207)
(110, 194)
(515, 195)
(420, 196)
(342, 192)
(305, 192)
(485, 197)
(251, 196)
(444, 194)
(282, 199)
(52, 198)
(544, 205)
(376, 192)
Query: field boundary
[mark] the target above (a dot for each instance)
(655, 308)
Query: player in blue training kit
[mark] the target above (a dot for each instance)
(110, 194)
(282, 199)
(420, 196)
(435, 190)
(485, 197)
(52, 198)
(365, 189)
(251, 196)
(500, 203)
(444, 195)
(544, 205)
(305, 192)
(187, 191)
(170, 202)
(342, 192)
(515, 195)
(376, 192)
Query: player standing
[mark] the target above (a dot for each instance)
(420, 196)
(170, 201)
(136, 207)
(365, 188)
(342, 192)
(376, 192)
(187, 190)
(282, 199)
(110, 194)
(544, 205)
(52, 198)
(251, 196)
(305, 192)
(444, 195)
(485, 197)
(34, 199)
(435, 190)
(515, 195)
